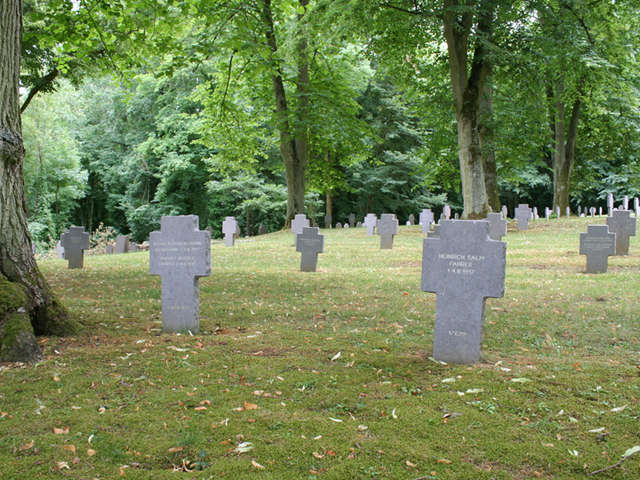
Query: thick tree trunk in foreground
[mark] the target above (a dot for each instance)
(467, 90)
(564, 143)
(487, 146)
(293, 144)
(27, 306)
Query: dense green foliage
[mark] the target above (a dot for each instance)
(185, 123)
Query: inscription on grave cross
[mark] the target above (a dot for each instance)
(597, 244)
(231, 230)
(387, 228)
(310, 243)
(370, 222)
(75, 241)
(180, 254)
(497, 226)
(523, 214)
(463, 267)
(624, 226)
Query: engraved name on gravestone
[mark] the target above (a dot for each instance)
(463, 267)
(624, 226)
(231, 230)
(75, 241)
(597, 244)
(352, 220)
(310, 243)
(497, 226)
(426, 219)
(370, 222)
(523, 214)
(180, 254)
(298, 223)
(122, 244)
(387, 228)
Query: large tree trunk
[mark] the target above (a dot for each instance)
(487, 146)
(467, 89)
(27, 306)
(564, 144)
(293, 146)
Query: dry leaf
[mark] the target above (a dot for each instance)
(199, 409)
(257, 465)
(618, 409)
(26, 446)
(90, 452)
(444, 460)
(71, 448)
(410, 464)
(250, 406)
(317, 455)
(60, 431)
(175, 449)
(62, 465)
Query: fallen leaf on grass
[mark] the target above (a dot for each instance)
(410, 464)
(520, 380)
(62, 465)
(243, 447)
(199, 409)
(70, 448)
(474, 390)
(26, 446)
(257, 465)
(393, 414)
(337, 420)
(618, 409)
(633, 450)
(250, 406)
(575, 453)
(317, 455)
(443, 460)
(90, 452)
(60, 431)
(175, 449)
(336, 356)
(597, 430)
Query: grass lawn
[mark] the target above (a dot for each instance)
(328, 375)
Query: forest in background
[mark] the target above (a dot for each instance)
(136, 125)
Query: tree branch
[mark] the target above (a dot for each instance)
(39, 85)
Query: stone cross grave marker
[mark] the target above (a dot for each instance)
(600, 211)
(338, 225)
(109, 248)
(262, 229)
(370, 222)
(59, 249)
(327, 220)
(446, 212)
(133, 247)
(352, 220)
(534, 214)
(346, 225)
(310, 243)
(412, 219)
(180, 254)
(597, 244)
(568, 211)
(610, 202)
(592, 211)
(625, 202)
(624, 226)
(426, 219)
(636, 205)
(497, 226)
(122, 244)
(504, 211)
(231, 230)
(359, 224)
(557, 212)
(463, 267)
(75, 241)
(387, 227)
(298, 223)
(523, 214)
(547, 212)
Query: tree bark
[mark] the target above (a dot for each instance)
(293, 144)
(487, 146)
(458, 21)
(17, 263)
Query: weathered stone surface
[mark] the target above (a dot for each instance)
(387, 228)
(597, 244)
(505, 212)
(624, 226)
(231, 230)
(463, 267)
(59, 249)
(310, 243)
(352, 220)
(523, 214)
(411, 219)
(75, 241)
(426, 219)
(370, 221)
(568, 212)
(446, 212)
(338, 225)
(298, 223)
(122, 244)
(133, 247)
(610, 202)
(180, 254)
(497, 226)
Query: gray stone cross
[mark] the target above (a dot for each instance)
(426, 219)
(387, 227)
(231, 230)
(122, 244)
(310, 243)
(180, 254)
(75, 241)
(624, 226)
(411, 219)
(352, 220)
(497, 226)
(523, 214)
(463, 267)
(597, 244)
(610, 202)
(298, 223)
(370, 222)
(446, 212)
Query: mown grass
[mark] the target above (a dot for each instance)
(561, 357)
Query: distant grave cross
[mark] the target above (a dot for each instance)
(298, 223)
(497, 226)
(75, 241)
(624, 226)
(370, 222)
(387, 228)
(597, 244)
(523, 214)
(426, 219)
(180, 254)
(463, 267)
(230, 230)
(310, 243)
